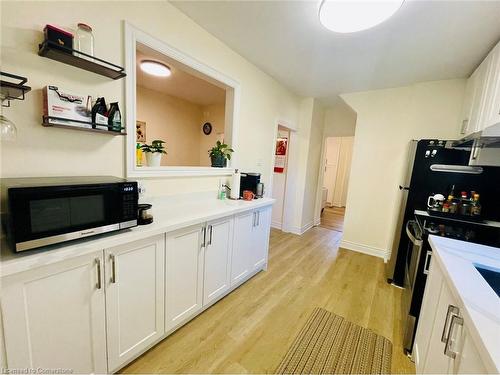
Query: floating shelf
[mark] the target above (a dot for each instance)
(90, 63)
(13, 90)
(46, 123)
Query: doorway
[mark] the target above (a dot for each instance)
(280, 174)
(337, 162)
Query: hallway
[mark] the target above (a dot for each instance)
(333, 218)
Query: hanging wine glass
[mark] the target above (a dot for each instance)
(8, 131)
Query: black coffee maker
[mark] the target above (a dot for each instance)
(249, 181)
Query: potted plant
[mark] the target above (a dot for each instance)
(220, 154)
(154, 152)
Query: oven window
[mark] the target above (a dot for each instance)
(59, 213)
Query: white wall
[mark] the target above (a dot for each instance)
(386, 121)
(340, 120)
(45, 151)
(173, 120)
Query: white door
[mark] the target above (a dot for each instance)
(436, 361)
(134, 298)
(217, 270)
(242, 246)
(332, 154)
(54, 316)
(343, 172)
(262, 226)
(184, 274)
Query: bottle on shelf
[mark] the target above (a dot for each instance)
(476, 206)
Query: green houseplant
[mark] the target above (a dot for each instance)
(153, 152)
(220, 154)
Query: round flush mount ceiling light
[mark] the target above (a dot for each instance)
(155, 68)
(349, 16)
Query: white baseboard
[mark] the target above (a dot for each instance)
(277, 225)
(317, 221)
(297, 230)
(365, 249)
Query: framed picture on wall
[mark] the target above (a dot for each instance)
(140, 131)
(280, 154)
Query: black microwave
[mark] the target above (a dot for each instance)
(45, 211)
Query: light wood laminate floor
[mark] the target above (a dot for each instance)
(250, 330)
(333, 218)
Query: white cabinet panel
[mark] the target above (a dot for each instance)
(260, 246)
(184, 274)
(492, 102)
(54, 316)
(134, 298)
(217, 271)
(243, 244)
(469, 360)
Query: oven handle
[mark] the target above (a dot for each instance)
(412, 238)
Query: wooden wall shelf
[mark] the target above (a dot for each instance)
(90, 63)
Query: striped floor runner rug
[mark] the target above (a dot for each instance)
(329, 344)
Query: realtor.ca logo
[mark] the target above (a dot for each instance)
(36, 370)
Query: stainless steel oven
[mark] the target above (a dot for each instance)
(45, 211)
(415, 236)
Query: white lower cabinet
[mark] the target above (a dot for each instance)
(442, 342)
(184, 274)
(260, 235)
(54, 316)
(95, 313)
(134, 298)
(217, 270)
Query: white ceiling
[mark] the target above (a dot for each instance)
(180, 84)
(423, 41)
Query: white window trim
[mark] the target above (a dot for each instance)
(134, 36)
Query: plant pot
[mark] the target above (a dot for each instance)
(219, 161)
(153, 158)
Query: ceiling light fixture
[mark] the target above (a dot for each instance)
(155, 68)
(349, 16)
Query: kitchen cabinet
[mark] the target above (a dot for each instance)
(134, 298)
(260, 234)
(184, 274)
(243, 244)
(442, 342)
(481, 107)
(54, 316)
(217, 258)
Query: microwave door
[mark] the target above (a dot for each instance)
(51, 213)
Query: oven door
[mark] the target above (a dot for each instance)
(414, 234)
(42, 216)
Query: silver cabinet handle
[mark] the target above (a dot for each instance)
(98, 264)
(451, 310)
(253, 218)
(113, 268)
(258, 218)
(204, 242)
(210, 238)
(447, 348)
(475, 151)
(427, 262)
(465, 125)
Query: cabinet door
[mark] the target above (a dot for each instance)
(217, 271)
(436, 362)
(492, 102)
(134, 298)
(427, 316)
(243, 243)
(468, 360)
(260, 248)
(467, 106)
(184, 274)
(54, 316)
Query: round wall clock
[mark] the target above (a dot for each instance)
(207, 128)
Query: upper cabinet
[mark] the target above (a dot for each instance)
(481, 107)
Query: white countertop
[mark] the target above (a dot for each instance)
(481, 305)
(170, 213)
